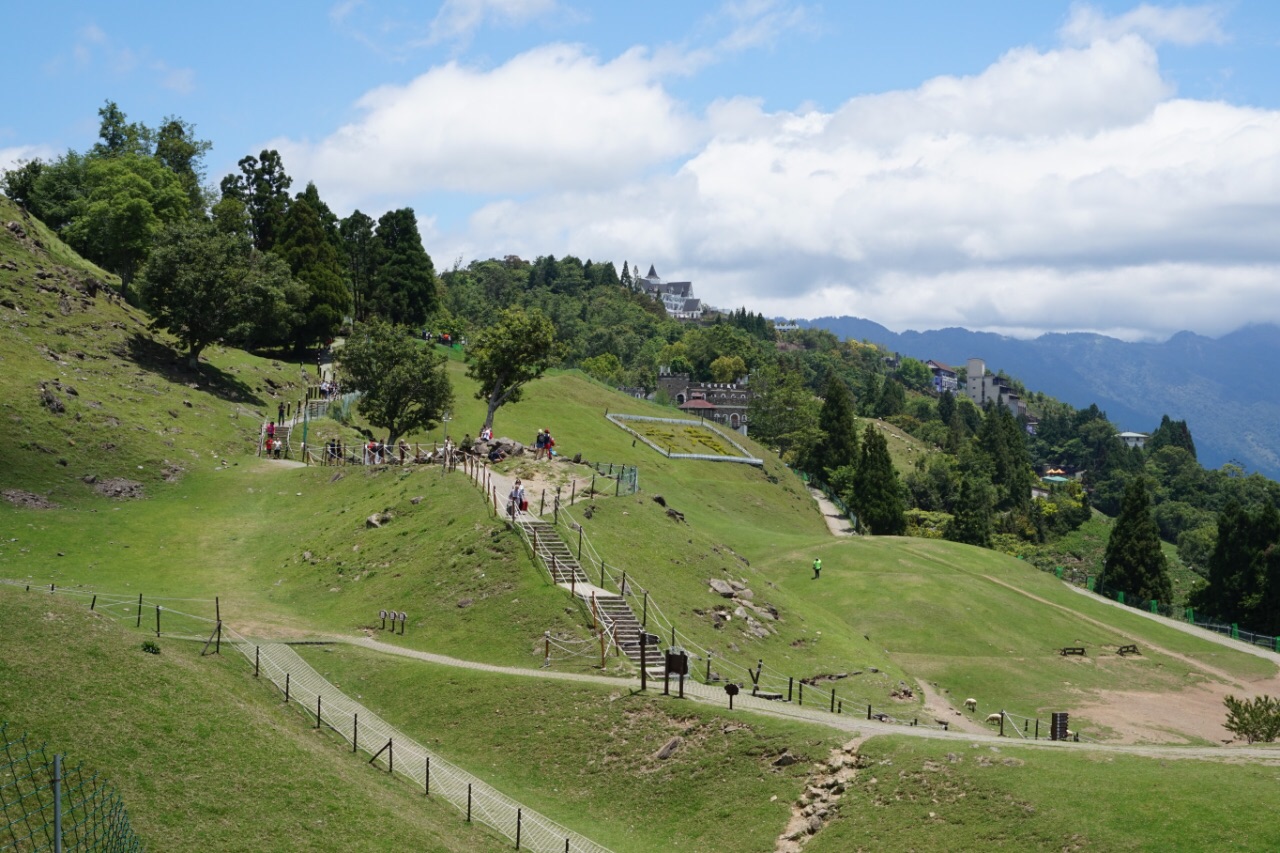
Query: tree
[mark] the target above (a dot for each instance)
(201, 285)
(359, 248)
(840, 447)
(19, 183)
(1134, 563)
(117, 136)
(1255, 720)
(404, 385)
(128, 200)
(178, 149)
(1171, 433)
(309, 244)
(727, 368)
(263, 187)
(783, 413)
(404, 282)
(877, 495)
(971, 522)
(514, 351)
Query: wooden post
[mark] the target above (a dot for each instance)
(791, 681)
(355, 732)
(519, 820)
(580, 548)
(800, 695)
(468, 802)
(93, 603)
(256, 660)
(708, 666)
(644, 619)
(833, 700)
(157, 620)
(547, 657)
(573, 492)
(139, 625)
(644, 661)
(317, 710)
(542, 502)
(1001, 722)
(426, 785)
(286, 688)
(593, 484)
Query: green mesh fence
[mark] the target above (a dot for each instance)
(46, 805)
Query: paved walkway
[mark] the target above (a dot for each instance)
(837, 522)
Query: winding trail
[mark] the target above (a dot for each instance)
(837, 523)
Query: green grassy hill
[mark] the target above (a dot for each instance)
(288, 553)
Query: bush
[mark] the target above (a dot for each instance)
(1253, 719)
(150, 647)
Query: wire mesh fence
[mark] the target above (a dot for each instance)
(48, 805)
(388, 748)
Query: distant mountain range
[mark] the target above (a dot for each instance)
(1224, 388)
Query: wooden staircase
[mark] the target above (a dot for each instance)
(611, 609)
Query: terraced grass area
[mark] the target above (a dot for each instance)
(684, 437)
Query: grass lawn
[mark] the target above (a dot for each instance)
(925, 796)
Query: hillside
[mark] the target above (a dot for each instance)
(289, 554)
(1220, 387)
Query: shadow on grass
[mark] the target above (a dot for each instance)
(162, 360)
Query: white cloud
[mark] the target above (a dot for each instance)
(551, 118)
(94, 48)
(13, 155)
(1057, 190)
(457, 20)
(1182, 25)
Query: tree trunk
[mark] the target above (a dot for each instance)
(495, 400)
(193, 357)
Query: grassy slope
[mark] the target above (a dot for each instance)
(204, 757)
(924, 796)
(585, 754)
(928, 607)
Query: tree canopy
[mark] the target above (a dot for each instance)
(404, 384)
(1134, 563)
(506, 356)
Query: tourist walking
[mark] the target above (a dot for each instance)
(817, 568)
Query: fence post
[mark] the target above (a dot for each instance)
(139, 625)
(157, 620)
(355, 732)
(800, 694)
(257, 651)
(93, 603)
(580, 553)
(833, 700)
(57, 803)
(644, 619)
(286, 688)
(426, 785)
(708, 666)
(573, 492)
(519, 821)
(791, 681)
(468, 802)
(1001, 722)
(542, 502)
(317, 710)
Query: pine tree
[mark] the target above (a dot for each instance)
(309, 244)
(877, 495)
(1134, 563)
(971, 523)
(404, 284)
(836, 420)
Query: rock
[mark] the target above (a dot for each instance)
(720, 587)
(738, 585)
(374, 520)
(785, 760)
(118, 487)
(417, 499)
(306, 555)
(466, 602)
(670, 747)
(746, 594)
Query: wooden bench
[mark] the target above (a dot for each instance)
(1072, 650)
(1128, 650)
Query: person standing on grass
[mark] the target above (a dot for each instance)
(817, 567)
(539, 445)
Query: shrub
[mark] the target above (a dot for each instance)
(1253, 719)
(150, 647)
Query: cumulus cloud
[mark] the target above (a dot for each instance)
(1057, 190)
(555, 117)
(1181, 25)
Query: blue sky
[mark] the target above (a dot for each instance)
(1009, 166)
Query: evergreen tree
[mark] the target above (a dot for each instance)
(1134, 562)
(1004, 443)
(877, 495)
(1171, 433)
(836, 419)
(309, 245)
(946, 407)
(626, 280)
(263, 187)
(971, 522)
(893, 399)
(360, 252)
(404, 283)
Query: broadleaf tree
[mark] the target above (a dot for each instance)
(404, 385)
(508, 355)
(201, 285)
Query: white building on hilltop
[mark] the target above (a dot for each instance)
(676, 296)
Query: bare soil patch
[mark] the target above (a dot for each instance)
(119, 488)
(28, 500)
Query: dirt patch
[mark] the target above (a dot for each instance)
(940, 710)
(1137, 717)
(118, 487)
(27, 500)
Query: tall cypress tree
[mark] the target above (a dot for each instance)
(404, 284)
(877, 494)
(836, 419)
(971, 523)
(309, 244)
(1134, 562)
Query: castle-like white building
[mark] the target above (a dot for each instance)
(676, 296)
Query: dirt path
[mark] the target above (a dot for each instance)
(837, 523)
